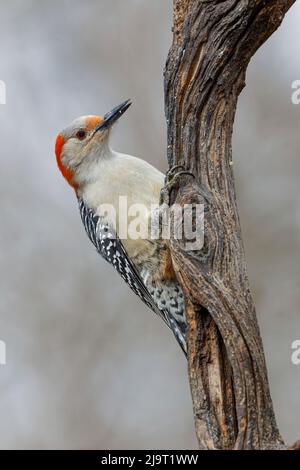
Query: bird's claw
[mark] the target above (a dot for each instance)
(171, 181)
(172, 171)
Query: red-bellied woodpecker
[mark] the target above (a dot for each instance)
(101, 177)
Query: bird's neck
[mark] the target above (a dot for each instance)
(92, 167)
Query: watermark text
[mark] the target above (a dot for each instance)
(295, 357)
(2, 92)
(2, 353)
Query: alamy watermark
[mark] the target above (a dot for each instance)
(2, 353)
(295, 357)
(296, 93)
(138, 221)
(2, 92)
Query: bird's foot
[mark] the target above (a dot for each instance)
(172, 172)
(171, 182)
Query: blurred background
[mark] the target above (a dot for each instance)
(88, 366)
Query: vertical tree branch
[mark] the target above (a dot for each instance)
(212, 44)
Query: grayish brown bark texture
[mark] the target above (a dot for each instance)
(205, 72)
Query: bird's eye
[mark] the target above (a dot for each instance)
(81, 134)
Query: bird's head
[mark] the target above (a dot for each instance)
(84, 141)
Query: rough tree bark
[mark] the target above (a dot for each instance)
(212, 44)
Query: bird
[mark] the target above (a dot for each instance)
(102, 177)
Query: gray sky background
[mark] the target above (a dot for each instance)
(88, 366)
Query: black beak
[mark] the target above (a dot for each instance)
(112, 116)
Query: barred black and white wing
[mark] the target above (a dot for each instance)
(111, 248)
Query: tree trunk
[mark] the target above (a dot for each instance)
(212, 44)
